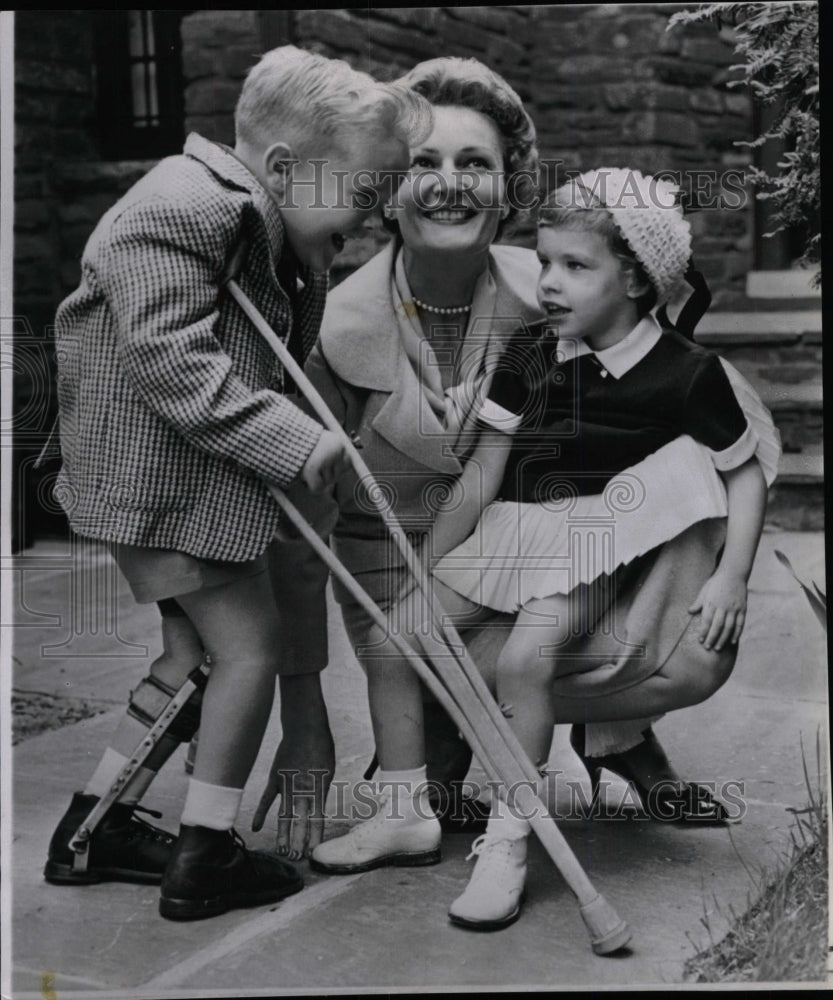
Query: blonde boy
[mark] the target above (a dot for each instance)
(174, 420)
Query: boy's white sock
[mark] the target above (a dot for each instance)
(137, 786)
(109, 768)
(407, 793)
(214, 806)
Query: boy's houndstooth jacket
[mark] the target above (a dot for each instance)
(170, 402)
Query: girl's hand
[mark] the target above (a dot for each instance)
(722, 603)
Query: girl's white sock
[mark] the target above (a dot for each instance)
(213, 806)
(504, 820)
(406, 792)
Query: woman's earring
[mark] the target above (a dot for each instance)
(387, 211)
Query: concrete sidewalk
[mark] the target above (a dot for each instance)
(387, 930)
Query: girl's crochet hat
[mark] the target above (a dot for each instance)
(646, 212)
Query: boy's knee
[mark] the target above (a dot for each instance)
(180, 641)
(152, 695)
(172, 668)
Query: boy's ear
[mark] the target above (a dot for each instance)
(277, 163)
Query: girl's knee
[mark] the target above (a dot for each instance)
(527, 664)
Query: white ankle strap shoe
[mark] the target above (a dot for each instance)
(404, 841)
(495, 892)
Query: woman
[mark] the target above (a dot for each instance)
(404, 346)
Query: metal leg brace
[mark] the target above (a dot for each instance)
(80, 842)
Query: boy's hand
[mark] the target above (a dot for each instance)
(722, 602)
(326, 462)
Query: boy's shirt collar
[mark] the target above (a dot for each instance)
(220, 159)
(620, 358)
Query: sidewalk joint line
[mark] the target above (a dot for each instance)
(264, 923)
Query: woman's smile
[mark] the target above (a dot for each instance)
(453, 198)
(449, 215)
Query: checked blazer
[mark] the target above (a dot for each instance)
(171, 405)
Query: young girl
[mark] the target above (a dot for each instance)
(606, 436)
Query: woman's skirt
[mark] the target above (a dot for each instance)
(519, 552)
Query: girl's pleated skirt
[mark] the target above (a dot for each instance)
(520, 552)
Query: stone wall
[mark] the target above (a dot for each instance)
(605, 84)
(218, 49)
(54, 126)
(611, 85)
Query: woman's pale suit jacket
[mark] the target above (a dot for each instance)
(360, 368)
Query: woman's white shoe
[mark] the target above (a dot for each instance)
(382, 840)
(495, 892)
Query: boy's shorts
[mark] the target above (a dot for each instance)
(157, 574)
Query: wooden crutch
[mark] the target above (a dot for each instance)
(607, 931)
(465, 695)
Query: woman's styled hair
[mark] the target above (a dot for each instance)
(560, 210)
(467, 83)
(311, 102)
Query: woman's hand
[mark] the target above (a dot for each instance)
(302, 769)
(722, 604)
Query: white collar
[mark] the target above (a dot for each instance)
(621, 357)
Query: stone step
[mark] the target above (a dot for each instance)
(782, 396)
(796, 406)
(795, 283)
(806, 466)
(796, 499)
(790, 303)
(760, 326)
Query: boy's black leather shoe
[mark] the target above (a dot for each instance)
(211, 871)
(123, 847)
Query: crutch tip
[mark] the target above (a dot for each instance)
(608, 932)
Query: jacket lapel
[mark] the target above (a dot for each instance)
(359, 335)
(222, 162)
(360, 341)
(307, 299)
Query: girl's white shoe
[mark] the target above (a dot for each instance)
(495, 892)
(408, 840)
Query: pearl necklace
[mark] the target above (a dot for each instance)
(446, 310)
